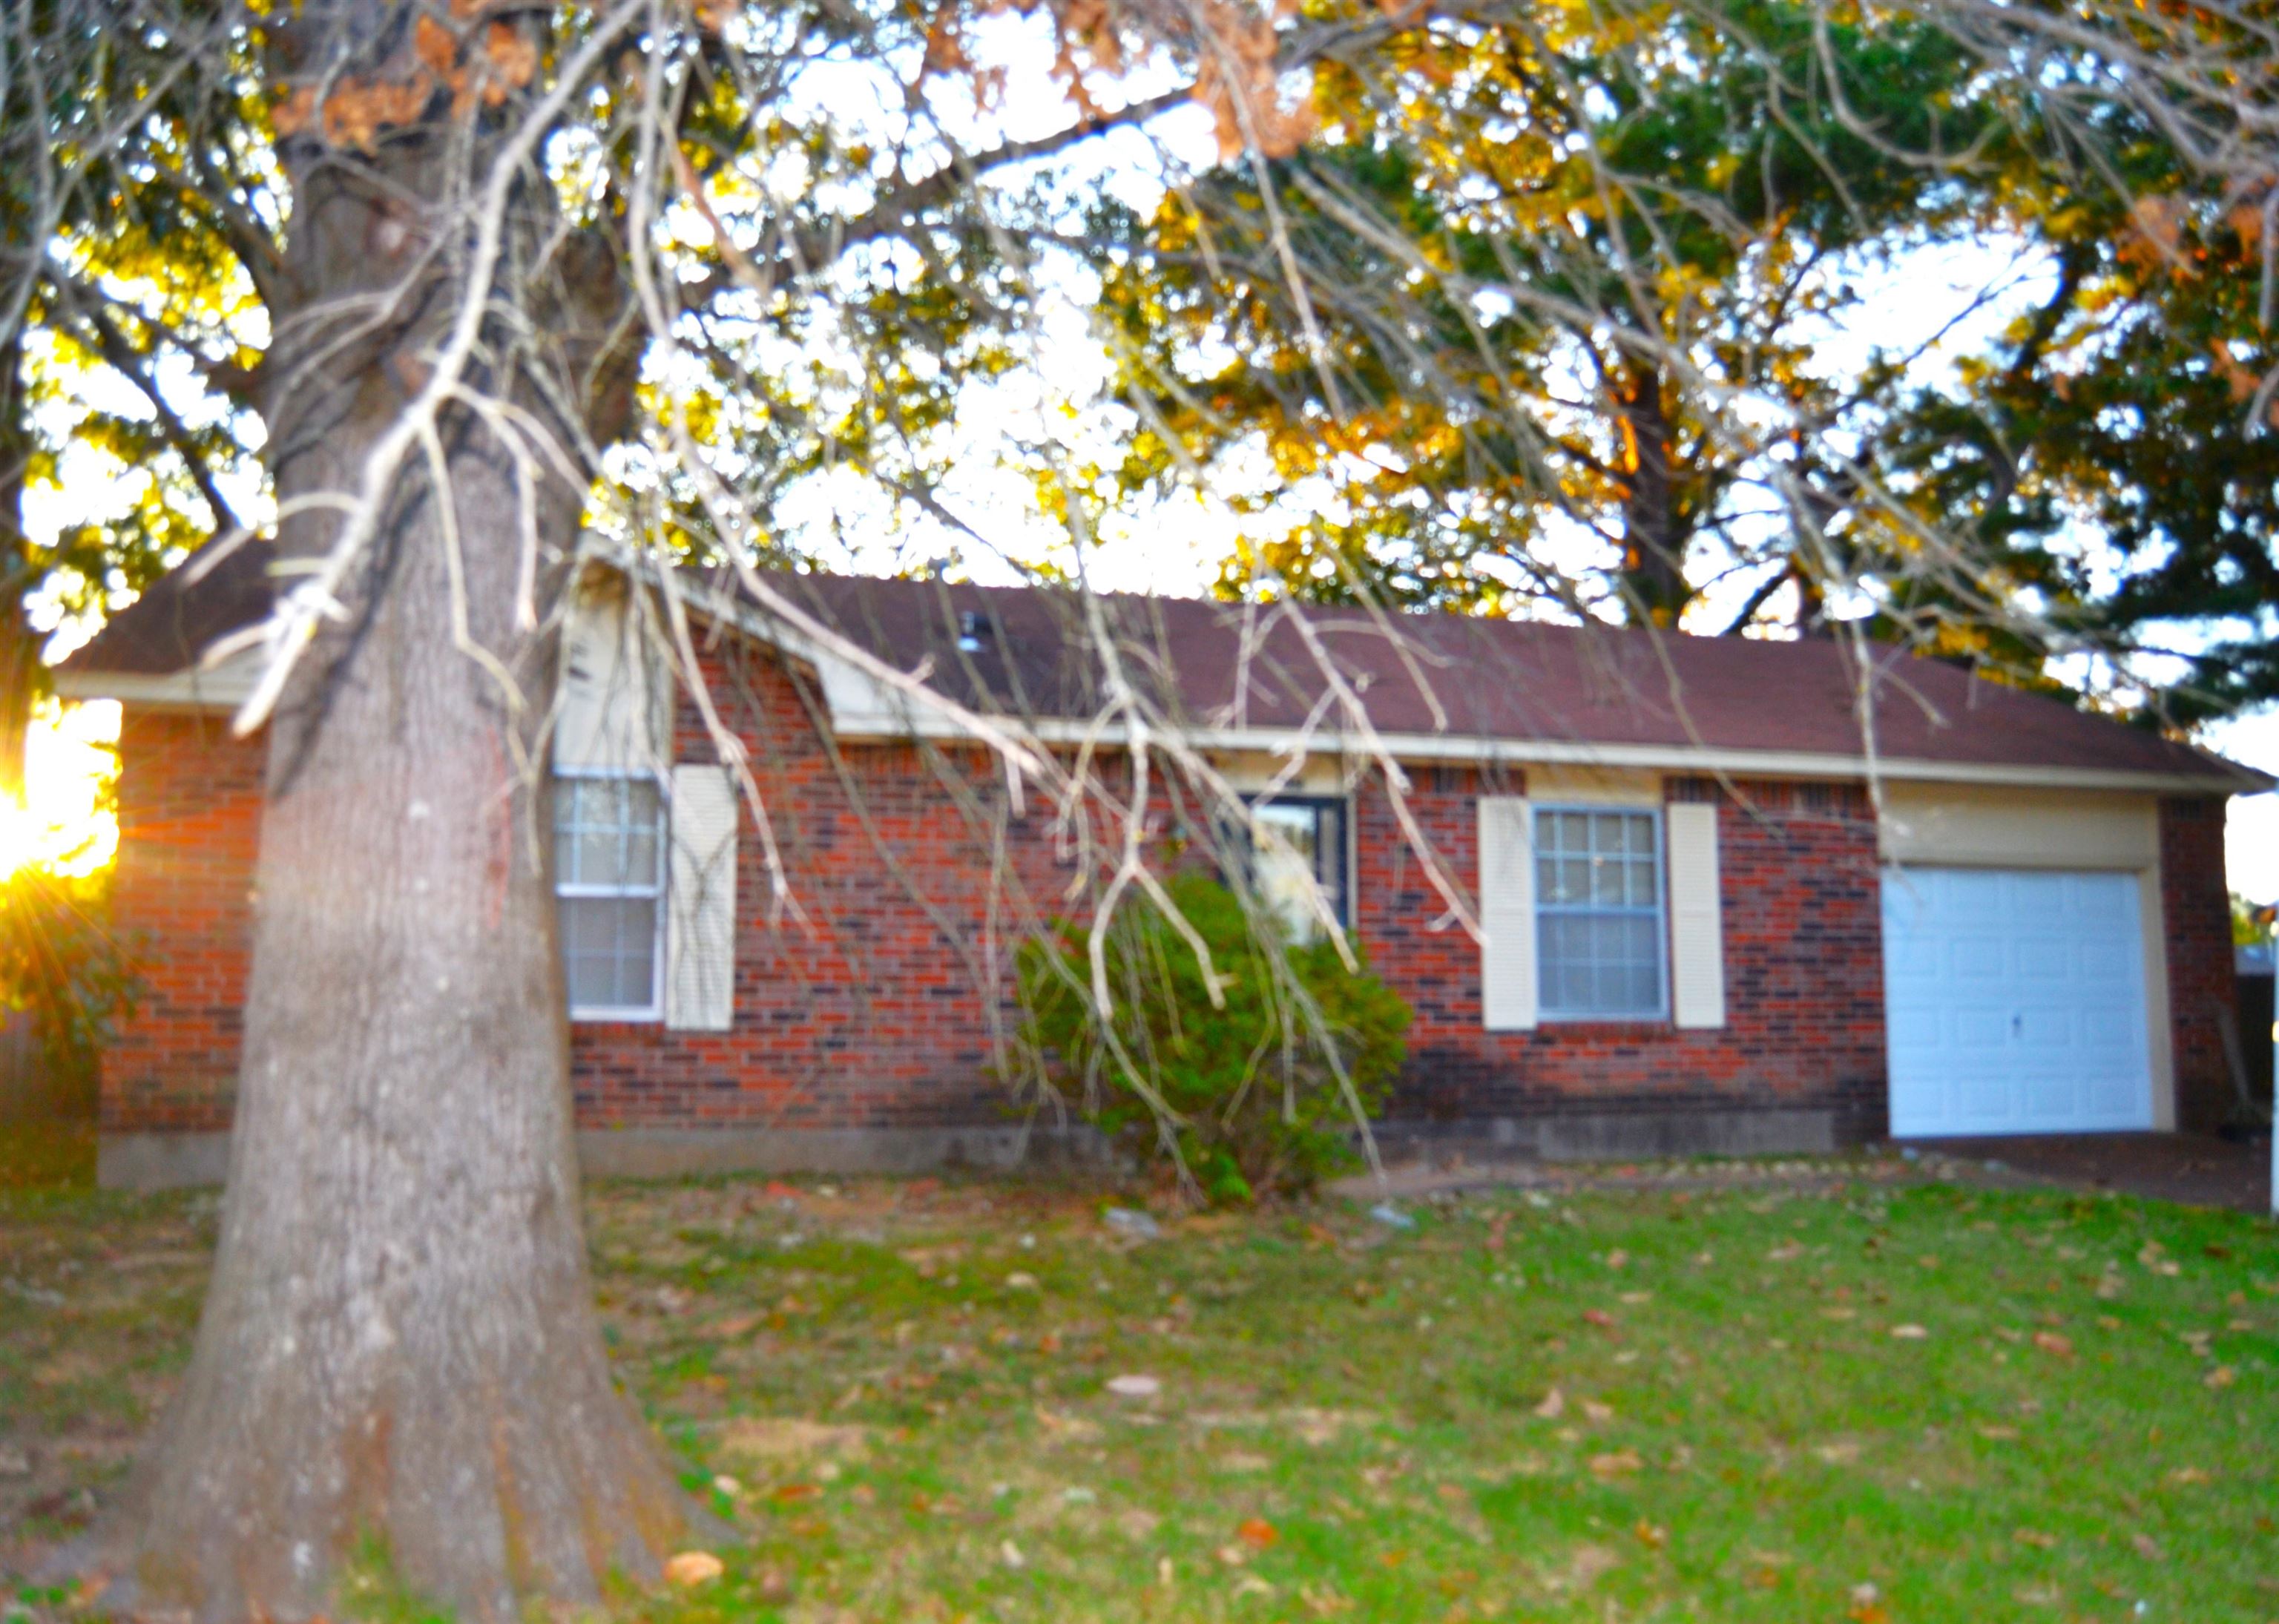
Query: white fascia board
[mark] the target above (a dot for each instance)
(881, 723)
(222, 690)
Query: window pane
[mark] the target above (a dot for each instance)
(1329, 859)
(1598, 930)
(609, 952)
(1294, 849)
(606, 830)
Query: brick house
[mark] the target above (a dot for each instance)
(1708, 925)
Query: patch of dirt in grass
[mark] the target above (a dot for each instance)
(782, 1440)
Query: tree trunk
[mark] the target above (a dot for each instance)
(19, 645)
(1653, 539)
(399, 1344)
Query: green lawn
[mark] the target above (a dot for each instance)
(1843, 1396)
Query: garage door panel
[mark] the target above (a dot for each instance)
(2014, 1002)
(2107, 963)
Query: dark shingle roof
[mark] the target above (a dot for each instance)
(1457, 677)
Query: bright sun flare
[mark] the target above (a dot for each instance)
(65, 825)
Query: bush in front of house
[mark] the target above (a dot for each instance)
(1245, 1097)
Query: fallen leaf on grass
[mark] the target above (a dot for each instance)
(1554, 1405)
(1258, 1533)
(2035, 1538)
(1070, 1427)
(2146, 1547)
(2188, 1474)
(1841, 1453)
(1616, 1463)
(1251, 1584)
(1994, 1432)
(1134, 1386)
(1651, 1534)
(1908, 1333)
(691, 1568)
(2055, 1343)
(2222, 1375)
(1010, 1554)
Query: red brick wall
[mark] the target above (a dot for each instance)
(189, 824)
(1803, 994)
(2196, 912)
(875, 1003)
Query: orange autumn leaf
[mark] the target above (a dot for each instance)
(291, 116)
(435, 46)
(358, 108)
(1258, 1533)
(514, 57)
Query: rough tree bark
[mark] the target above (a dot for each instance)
(1653, 538)
(399, 1342)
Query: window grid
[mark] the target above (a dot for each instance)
(1599, 953)
(610, 857)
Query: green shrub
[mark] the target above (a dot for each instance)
(63, 969)
(1245, 1096)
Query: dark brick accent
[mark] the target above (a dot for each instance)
(2196, 913)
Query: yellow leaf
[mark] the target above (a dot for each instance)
(690, 1568)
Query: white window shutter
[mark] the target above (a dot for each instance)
(1697, 926)
(699, 936)
(1508, 993)
(616, 689)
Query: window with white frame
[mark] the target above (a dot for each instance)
(1599, 913)
(1296, 849)
(608, 883)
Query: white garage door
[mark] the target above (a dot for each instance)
(2015, 1002)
